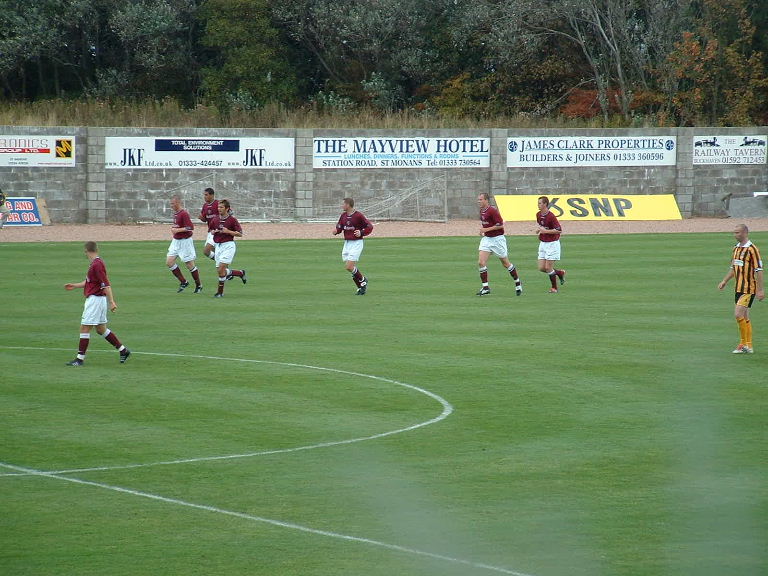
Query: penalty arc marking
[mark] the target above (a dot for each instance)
(447, 411)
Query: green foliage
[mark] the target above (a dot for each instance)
(650, 61)
(721, 79)
(247, 66)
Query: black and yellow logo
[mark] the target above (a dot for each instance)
(64, 148)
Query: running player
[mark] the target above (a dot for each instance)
(226, 228)
(182, 246)
(208, 212)
(493, 240)
(354, 225)
(747, 269)
(4, 210)
(98, 294)
(549, 231)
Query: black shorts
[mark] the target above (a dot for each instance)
(744, 299)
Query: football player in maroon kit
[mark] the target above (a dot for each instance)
(493, 240)
(354, 225)
(98, 293)
(225, 229)
(182, 246)
(208, 212)
(549, 231)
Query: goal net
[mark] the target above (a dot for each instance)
(248, 205)
(425, 201)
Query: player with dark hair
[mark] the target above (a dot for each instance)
(355, 226)
(182, 246)
(98, 294)
(747, 269)
(493, 240)
(549, 231)
(208, 212)
(225, 229)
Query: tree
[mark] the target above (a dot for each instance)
(720, 77)
(247, 64)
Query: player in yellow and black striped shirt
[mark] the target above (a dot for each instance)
(747, 269)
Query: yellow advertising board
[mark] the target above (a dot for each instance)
(519, 208)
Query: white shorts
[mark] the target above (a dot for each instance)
(209, 239)
(352, 250)
(94, 311)
(549, 250)
(225, 252)
(495, 244)
(184, 248)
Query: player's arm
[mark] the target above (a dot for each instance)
(367, 228)
(236, 232)
(730, 275)
(73, 285)
(498, 226)
(760, 284)
(108, 293)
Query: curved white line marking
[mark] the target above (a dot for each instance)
(278, 523)
(447, 411)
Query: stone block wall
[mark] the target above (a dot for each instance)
(91, 193)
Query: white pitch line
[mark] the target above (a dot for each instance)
(278, 523)
(447, 411)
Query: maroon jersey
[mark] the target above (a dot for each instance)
(182, 220)
(348, 223)
(492, 217)
(96, 278)
(208, 212)
(230, 223)
(548, 220)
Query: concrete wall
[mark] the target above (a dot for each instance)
(90, 193)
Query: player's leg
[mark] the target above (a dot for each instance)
(549, 254)
(209, 250)
(741, 312)
(188, 255)
(504, 259)
(225, 254)
(221, 269)
(170, 261)
(554, 256)
(94, 313)
(482, 266)
(232, 272)
(192, 267)
(82, 347)
(351, 253)
(112, 338)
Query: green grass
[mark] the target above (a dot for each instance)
(603, 431)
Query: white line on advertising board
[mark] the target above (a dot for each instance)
(169, 152)
(574, 152)
(387, 152)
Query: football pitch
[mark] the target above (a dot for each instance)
(293, 428)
